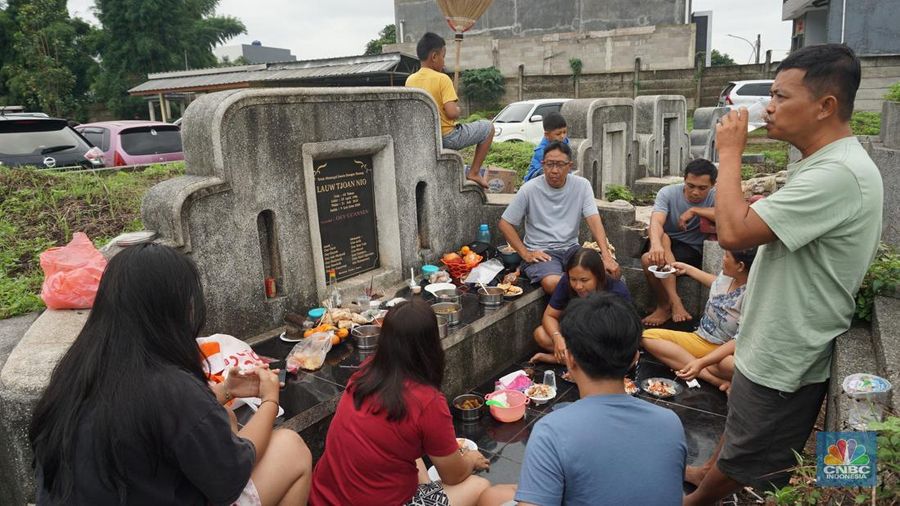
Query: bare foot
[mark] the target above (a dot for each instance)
(547, 358)
(679, 313)
(658, 317)
(694, 474)
(477, 179)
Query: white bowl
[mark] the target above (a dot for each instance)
(540, 400)
(467, 444)
(658, 274)
(436, 287)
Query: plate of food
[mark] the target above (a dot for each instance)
(540, 393)
(661, 387)
(466, 444)
(630, 387)
(510, 291)
(661, 272)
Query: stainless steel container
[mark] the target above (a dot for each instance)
(442, 326)
(491, 295)
(449, 310)
(468, 415)
(448, 295)
(366, 336)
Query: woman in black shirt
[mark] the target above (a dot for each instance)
(128, 416)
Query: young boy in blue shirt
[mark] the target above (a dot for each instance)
(554, 130)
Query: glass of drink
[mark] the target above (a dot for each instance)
(757, 114)
(550, 378)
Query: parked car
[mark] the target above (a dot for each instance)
(135, 142)
(744, 93)
(30, 139)
(522, 121)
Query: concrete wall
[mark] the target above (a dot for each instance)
(870, 26)
(522, 18)
(658, 47)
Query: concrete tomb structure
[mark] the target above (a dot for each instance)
(703, 135)
(660, 128)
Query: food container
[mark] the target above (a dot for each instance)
(468, 415)
(869, 394)
(366, 336)
(510, 258)
(516, 410)
(449, 310)
(442, 326)
(660, 273)
(436, 287)
(448, 295)
(316, 313)
(491, 295)
(428, 270)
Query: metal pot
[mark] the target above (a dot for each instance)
(448, 295)
(442, 326)
(468, 415)
(366, 336)
(448, 309)
(491, 295)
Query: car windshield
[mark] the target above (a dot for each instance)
(151, 140)
(513, 113)
(35, 137)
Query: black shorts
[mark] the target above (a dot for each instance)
(763, 430)
(682, 251)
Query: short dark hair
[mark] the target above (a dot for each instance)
(602, 332)
(830, 68)
(745, 256)
(429, 43)
(590, 260)
(559, 146)
(702, 167)
(409, 349)
(553, 121)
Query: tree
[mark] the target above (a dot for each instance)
(140, 37)
(484, 86)
(387, 35)
(49, 63)
(717, 58)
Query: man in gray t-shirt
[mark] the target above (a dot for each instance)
(675, 235)
(553, 206)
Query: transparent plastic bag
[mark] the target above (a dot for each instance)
(309, 354)
(72, 274)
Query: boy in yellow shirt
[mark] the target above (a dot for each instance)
(431, 50)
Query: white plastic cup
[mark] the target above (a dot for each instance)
(868, 395)
(757, 114)
(550, 378)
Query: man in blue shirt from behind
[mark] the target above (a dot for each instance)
(608, 448)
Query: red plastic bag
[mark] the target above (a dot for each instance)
(72, 274)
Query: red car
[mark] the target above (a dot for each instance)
(134, 142)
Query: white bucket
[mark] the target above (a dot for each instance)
(868, 395)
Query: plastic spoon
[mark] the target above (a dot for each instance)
(492, 402)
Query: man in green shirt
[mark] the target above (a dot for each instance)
(818, 236)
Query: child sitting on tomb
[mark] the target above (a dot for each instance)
(708, 352)
(391, 415)
(555, 129)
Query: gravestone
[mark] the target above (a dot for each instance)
(660, 128)
(703, 135)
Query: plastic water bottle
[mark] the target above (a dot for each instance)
(484, 234)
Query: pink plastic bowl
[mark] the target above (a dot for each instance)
(516, 410)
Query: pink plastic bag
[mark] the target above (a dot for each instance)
(72, 274)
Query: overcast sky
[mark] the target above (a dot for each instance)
(323, 28)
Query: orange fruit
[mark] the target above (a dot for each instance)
(464, 251)
(335, 340)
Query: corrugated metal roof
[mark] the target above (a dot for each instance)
(301, 70)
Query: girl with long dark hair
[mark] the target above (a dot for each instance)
(585, 274)
(391, 414)
(128, 416)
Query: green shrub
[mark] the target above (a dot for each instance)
(483, 86)
(779, 157)
(893, 94)
(747, 172)
(618, 192)
(883, 277)
(511, 155)
(865, 123)
(480, 115)
(41, 209)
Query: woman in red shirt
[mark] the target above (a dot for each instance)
(391, 415)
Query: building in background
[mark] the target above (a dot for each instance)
(252, 53)
(869, 27)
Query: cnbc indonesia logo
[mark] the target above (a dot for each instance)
(847, 461)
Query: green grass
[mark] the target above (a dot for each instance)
(42, 209)
(865, 123)
(479, 115)
(509, 155)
